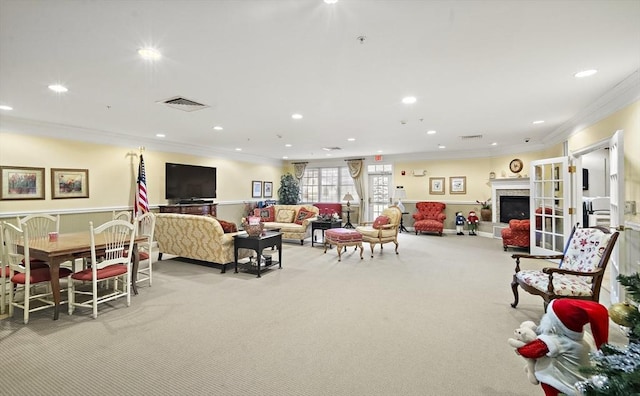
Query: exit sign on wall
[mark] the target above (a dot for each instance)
(378, 158)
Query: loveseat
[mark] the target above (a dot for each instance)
(195, 237)
(292, 220)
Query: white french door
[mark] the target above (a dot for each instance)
(552, 212)
(616, 185)
(379, 194)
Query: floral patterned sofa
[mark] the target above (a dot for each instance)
(195, 237)
(430, 217)
(292, 220)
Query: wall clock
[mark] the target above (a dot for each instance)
(515, 165)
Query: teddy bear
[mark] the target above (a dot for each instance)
(523, 335)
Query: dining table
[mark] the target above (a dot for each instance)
(72, 246)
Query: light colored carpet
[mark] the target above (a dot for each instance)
(432, 320)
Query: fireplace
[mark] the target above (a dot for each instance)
(514, 207)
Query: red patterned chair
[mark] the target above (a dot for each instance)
(517, 234)
(430, 217)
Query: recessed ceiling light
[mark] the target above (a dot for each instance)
(494, 144)
(287, 145)
(351, 139)
(585, 73)
(538, 122)
(149, 53)
(331, 1)
(379, 151)
(296, 116)
(160, 135)
(58, 88)
(4, 107)
(431, 132)
(409, 100)
(441, 146)
(285, 157)
(238, 149)
(217, 128)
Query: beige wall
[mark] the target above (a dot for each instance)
(113, 172)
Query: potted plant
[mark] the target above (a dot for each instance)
(289, 191)
(485, 210)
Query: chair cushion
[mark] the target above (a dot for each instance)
(585, 249)
(267, 214)
(104, 273)
(39, 275)
(563, 285)
(285, 216)
(342, 235)
(304, 214)
(380, 221)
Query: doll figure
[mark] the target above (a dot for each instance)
(460, 220)
(473, 221)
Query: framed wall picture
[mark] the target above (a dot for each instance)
(69, 183)
(267, 189)
(457, 185)
(256, 189)
(19, 182)
(436, 185)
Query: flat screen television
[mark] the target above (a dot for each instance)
(189, 183)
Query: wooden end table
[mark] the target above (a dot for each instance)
(258, 243)
(323, 225)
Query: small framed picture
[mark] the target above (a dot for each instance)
(267, 189)
(19, 182)
(458, 185)
(69, 183)
(436, 185)
(256, 189)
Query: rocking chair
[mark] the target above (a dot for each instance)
(579, 274)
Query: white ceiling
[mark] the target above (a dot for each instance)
(486, 68)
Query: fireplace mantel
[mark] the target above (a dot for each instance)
(511, 183)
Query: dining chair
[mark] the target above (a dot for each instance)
(23, 279)
(108, 263)
(146, 225)
(4, 273)
(124, 215)
(39, 226)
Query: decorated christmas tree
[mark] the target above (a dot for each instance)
(616, 369)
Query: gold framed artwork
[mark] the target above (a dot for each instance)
(69, 183)
(457, 185)
(256, 189)
(436, 185)
(20, 182)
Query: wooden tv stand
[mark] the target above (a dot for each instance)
(201, 209)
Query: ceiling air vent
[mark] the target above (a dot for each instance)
(331, 148)
(184, 104)
(471, 137)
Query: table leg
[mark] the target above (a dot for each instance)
(134, 270)
(54, 270)
(280, 253)
(259, 259)
(235, 259)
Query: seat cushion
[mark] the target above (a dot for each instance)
(563, 285)
(39, 275)
(104, 273)
(342, 235)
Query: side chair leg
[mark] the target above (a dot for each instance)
(514, 288)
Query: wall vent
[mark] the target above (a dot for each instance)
(184, 104)
(471, 137)
(331, 148)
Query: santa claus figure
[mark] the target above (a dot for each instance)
(562, 346)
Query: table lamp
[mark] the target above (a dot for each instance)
(348, 197)
(399, 194)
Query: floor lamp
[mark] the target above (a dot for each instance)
(348, 197)
(399, 194)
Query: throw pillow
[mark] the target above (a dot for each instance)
(267, 214)
(228, 226)
(304, 214)
(285, 216)
(380, 221)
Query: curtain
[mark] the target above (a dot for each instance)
(298, 170)
(355, 170)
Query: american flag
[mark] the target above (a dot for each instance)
(143, 201)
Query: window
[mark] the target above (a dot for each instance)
(327, 185)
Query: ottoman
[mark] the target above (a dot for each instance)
(342, 237)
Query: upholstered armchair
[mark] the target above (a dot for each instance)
(383, 230)
(430, 217)
(517, 234)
